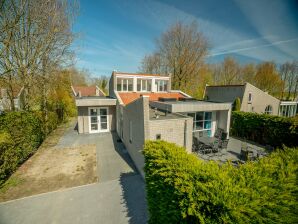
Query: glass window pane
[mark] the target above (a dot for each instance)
(93, 119)
(124, 84)
(144, 85)
(208, 115)
(207, 124)
(103, 119)
(138, 85)
(93, 112)
(103, 111)
(199, 125)
(118, 84)
(130, 84)
(199, 116)
(149, 85)
(209, 133)
(94, 126)
(103, 125)
(166, 86)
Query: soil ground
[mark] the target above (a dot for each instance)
(52, 168)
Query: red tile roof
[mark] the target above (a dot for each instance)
(138, 74)
(129, 97)
(87, 91)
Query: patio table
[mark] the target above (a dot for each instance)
(206, 140)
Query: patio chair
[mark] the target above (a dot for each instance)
(218, 133)
(224, 144)
(216, 146)
(205, 149)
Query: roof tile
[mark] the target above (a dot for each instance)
(128, 97)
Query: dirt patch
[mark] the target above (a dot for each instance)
(51, 169)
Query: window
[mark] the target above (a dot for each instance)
(124, 84)
(158, 136)
(144, 85)
(161, 85)
(249, 97)
(268, 109)
(130, 131)
(202, 121)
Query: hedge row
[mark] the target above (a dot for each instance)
(184, 189)
(21, 133)
(265, 129)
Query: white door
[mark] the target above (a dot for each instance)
(98, 119)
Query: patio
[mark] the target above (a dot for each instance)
(233, 151)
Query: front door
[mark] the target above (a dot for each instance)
(98, 119)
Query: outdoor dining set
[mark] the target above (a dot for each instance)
(204, 144)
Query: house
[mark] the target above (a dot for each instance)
(143, 107)
(288, 108)
(252, 98)
(87, 91)
(18, 99)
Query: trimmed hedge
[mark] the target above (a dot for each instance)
(184, 189)
(21, 133)
(265, 129)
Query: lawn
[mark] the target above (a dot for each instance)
(52, 168)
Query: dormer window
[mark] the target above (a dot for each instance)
(124, 85)
(161, 85)
(144, 85)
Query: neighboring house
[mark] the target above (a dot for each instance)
(87, 91)
(96, 112)
(18, 99)
(252, 98)
(143, 107)
(288, 108)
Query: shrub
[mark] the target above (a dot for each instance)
(237, 104)
(184, 189)
(265, 129)
(50, 123)
(20, 135)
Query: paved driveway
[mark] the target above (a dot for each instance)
(119, 197)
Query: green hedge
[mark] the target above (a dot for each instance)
(265, 129)
(21, 133)
(184, 189)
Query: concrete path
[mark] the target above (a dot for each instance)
(119, 197)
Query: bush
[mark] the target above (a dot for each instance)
(184, 189)
(265, 129)
(237, 104)
(50, 123)
(20, 135)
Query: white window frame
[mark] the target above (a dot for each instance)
(195, 121)
(268, 111)
(123, 80)
(98, 120)
(144, 83)
(158, 84)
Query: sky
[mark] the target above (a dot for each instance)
(117, 34)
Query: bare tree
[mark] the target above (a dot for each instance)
(181, 51)
(289, 75)
(40, 40)
(152, 64)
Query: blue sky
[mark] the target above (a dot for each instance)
(115, 35)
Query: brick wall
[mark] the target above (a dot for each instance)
(178, 131)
